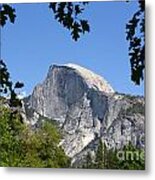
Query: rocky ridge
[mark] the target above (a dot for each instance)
(86, 108)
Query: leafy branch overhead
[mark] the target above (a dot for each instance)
(135, 30)
(68, 14)
(6, 13)
(7, 87)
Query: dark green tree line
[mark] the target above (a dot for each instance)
(20, 146)
(131, 158)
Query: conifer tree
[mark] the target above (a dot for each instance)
(99, 160)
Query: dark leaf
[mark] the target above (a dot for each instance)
(135, 30)
(19, 85)
(53, 6)
(67, 14)
(7, 12)
(85, 26)
(76, 31)
(77, 9)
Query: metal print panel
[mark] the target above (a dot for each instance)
(72, 85)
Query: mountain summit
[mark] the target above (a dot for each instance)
(86, 108)
(93, 80)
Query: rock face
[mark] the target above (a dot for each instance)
(87, 108)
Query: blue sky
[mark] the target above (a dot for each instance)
(37, 40)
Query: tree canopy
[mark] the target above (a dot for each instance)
(20, 146)
(105, 158)
(135, 30)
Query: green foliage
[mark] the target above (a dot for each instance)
(10, 131)
(68, 14)
(89, 163)
(43, 149)
(22, 147)
(108, 158)
(99, 160)
(131, 161)
(6, 12)
(136, 108)
(135, 30)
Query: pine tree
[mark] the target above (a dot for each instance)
(99, 160)
(89, 164)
